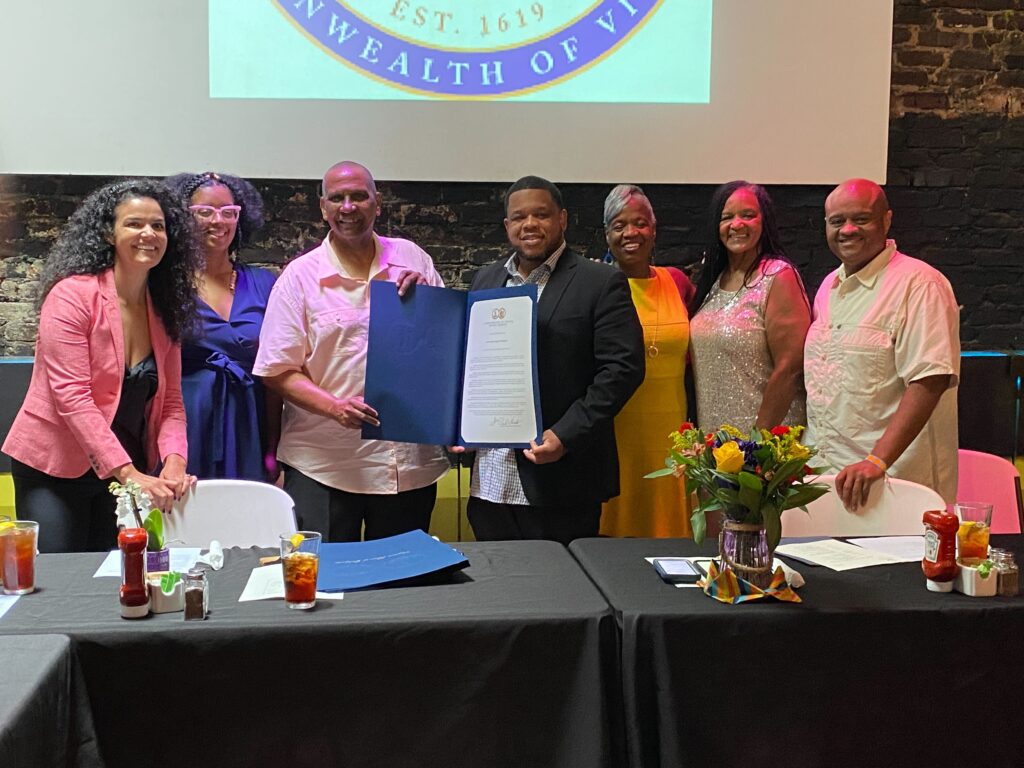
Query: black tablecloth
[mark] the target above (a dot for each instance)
(44, 714)
(511, 664)
(869, 670)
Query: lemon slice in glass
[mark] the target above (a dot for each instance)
(297, 540)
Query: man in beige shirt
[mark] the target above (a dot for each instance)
(313, 353)
(882, 356)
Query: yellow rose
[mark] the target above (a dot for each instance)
(729, 458)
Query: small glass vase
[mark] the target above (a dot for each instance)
(744, 548)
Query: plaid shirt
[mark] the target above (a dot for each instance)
(495, 476)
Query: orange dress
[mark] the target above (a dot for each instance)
(659, 507)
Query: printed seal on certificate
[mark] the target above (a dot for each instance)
(479, 49)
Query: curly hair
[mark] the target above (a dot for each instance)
(716, 258)
(245, 194)
(84, 248)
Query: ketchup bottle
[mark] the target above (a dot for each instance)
(134, 590)
(939, 564)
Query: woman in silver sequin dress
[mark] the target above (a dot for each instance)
(752, 314)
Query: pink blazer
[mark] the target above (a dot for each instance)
(63, 427)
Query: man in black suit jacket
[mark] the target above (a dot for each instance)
(590, 360)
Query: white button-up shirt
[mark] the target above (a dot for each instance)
(317, 321)
(890, 323)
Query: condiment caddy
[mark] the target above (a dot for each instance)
(944, 572)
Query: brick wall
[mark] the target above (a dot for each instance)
(956, 183)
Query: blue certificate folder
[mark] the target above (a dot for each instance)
(402, 558)
(415, 362)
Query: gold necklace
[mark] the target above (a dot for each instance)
(652, 348)
(232, 281)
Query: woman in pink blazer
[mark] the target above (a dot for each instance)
(105, 397)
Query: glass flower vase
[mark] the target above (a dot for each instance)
(744, 548)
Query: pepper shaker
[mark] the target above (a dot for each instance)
(197, 595)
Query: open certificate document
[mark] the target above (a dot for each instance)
(447, 367)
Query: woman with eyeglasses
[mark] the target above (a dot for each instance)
(233, 421)
(104, 402)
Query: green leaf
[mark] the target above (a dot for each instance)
(801, 495)
(154, 524)
(658, 473)
(699, 525)
(750, 491)
(785, 473)
(710, 505)
(772, 525)
(728, 496)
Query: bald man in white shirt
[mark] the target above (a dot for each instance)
(882, 356)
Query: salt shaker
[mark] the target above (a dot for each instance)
(197, 595)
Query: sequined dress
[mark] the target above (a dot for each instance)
(659, 507)
(730, 357)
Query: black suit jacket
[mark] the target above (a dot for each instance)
(590, 360)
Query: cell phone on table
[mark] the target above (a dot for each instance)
(678, 570)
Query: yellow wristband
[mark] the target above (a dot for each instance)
(876, 461)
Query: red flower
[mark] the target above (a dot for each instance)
(685, 426)
(709, 441)
(809, 471)
(780, 431)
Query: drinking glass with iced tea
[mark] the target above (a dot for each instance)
(18, 556)
(972, 536)
(300, 561)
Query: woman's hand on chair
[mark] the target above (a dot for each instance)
(159, 489)
(173, 472)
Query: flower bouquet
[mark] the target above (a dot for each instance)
(750, 478)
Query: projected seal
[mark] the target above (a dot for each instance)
(466, 49)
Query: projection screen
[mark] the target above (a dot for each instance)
(672, 91)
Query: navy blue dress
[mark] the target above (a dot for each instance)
(224, 403)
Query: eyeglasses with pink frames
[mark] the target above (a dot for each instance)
(207, 212)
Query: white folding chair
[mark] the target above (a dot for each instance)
(993, 480)
(237, 513)
(894, 508)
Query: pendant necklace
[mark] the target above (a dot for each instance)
(652, 348)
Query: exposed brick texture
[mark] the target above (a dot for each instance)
(956, 183)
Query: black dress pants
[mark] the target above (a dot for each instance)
(341, 515)
(499, 522)
(74, 514)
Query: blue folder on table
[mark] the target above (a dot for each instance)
(415, 362)
(406, 558)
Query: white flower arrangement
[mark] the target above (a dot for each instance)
(131, 500)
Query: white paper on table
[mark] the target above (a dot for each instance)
(6, 602)
(266, 582)
(497, 390)
(793, 577)
(908, 549)
(182, 559)
(837, 555)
